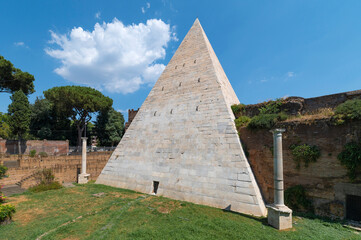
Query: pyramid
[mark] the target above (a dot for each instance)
(183, 143)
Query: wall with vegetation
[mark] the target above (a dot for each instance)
(322, 177)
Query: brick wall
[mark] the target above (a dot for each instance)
(322, 179)
(64, 167)
(51, 147)
(299, 105)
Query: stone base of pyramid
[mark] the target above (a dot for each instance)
(219, 199)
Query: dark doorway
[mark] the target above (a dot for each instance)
(77, 174)
(353, 207)
(155, 186)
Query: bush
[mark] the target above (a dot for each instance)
(32, 153)
(44, 176)
(305, 153)
(2, 197)
(43, 154)
(349, 110)
(3, 170)
(6, 212)
(350, 157)
(45, 187)
(237, 109)
(272, 107)
(45, 180)
(242, 121)
(266, 121)
(296, 199)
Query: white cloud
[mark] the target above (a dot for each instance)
(264, 80)
(123, 111)
(144, 9)
(290, 74)
(113, 56)
(97, 15)
(19, 43)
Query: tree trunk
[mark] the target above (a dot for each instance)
(79, 136)
(19, 146)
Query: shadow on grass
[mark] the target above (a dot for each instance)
(310, 216)
(262, 220)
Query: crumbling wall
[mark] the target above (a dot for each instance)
(321, 179)
(65, 168)
(299, 105)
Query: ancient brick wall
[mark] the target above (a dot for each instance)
(51, 147)
(65, 168)
(322, 179)
(299, 105)
(329, 101)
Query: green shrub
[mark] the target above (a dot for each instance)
(2, 197)
(263, 121)
(272, 107)
(44, 176)
(349, 110)
(6, 212)
(45, 187)
(305, 153)
(242, 121)
(45, 180)
(296, 199)
(32, 153)
(3, 170)
(350, 157)
(43, 154)
(237, 109)
(266, 121)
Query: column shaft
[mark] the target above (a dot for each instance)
(278, 167)
(83, 159)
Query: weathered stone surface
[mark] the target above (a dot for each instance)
(279, 217)
(83, 178)
(184, 136)
(326, 181)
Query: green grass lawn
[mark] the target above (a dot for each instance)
(74, 213)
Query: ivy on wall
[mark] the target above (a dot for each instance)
(296, 199)
(350, 157)
(304, 153)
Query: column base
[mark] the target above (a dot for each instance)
(279, 217)
(83, 178)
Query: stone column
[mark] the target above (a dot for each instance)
(83, 177)
(83, 156)
(279, 215)
(278, 167)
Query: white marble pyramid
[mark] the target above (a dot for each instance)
(183, 143)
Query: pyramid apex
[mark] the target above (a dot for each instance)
(196, 22)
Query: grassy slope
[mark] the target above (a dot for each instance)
(123, 214)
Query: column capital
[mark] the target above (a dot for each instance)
(278, 130)
(84, 138)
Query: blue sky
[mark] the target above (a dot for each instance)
(268, 49)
